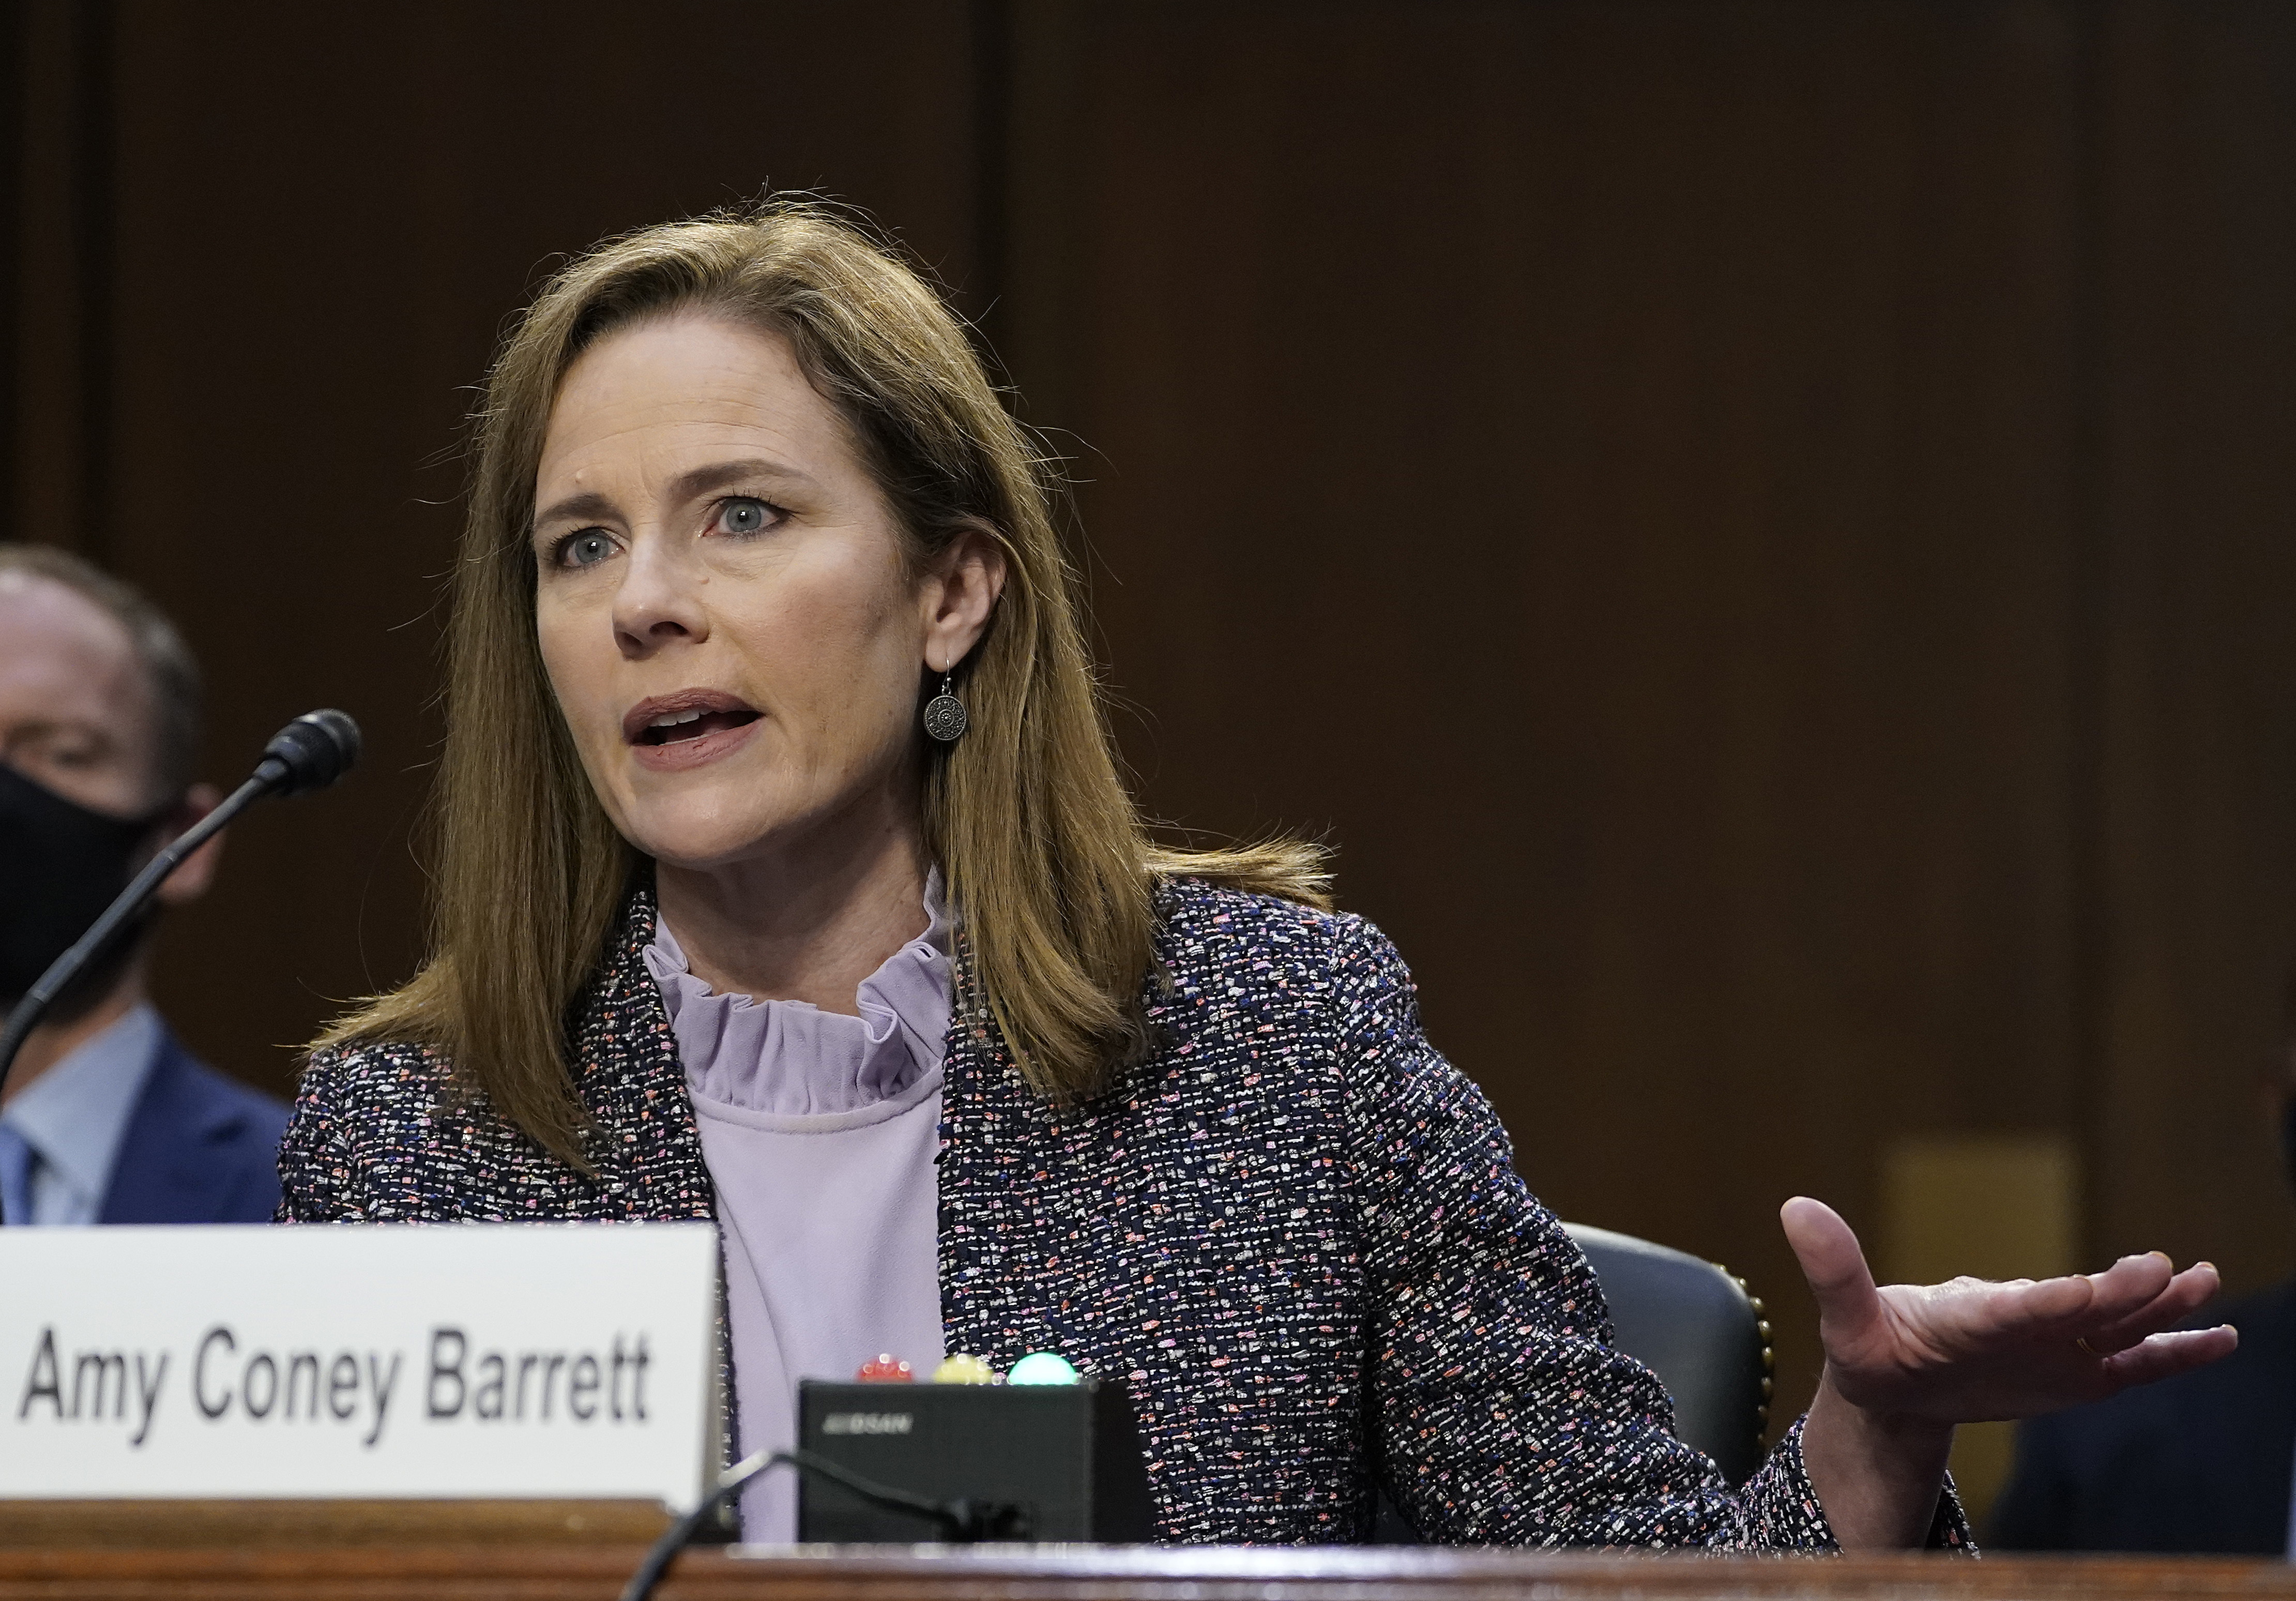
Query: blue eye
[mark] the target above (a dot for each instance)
(586, 549)
(742, 515)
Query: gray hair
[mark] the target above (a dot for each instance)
(168, 665)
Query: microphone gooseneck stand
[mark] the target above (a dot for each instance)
(307, 754)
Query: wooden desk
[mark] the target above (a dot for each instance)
(596, 1572)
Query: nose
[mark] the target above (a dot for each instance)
(658, 602)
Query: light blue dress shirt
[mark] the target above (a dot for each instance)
(73, 1116)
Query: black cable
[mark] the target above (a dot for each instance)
(962, 1521)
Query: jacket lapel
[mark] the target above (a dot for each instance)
(645, 1142)
(166, 1170)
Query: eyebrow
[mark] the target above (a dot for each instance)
(689, 485)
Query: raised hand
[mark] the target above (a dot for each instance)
(1906, 1363)
(1968, 1350)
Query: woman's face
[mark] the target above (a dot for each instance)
(721, 599)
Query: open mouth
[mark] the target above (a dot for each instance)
(675, 728)
(686, 717)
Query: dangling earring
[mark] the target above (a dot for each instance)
(945, 715)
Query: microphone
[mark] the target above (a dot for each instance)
(307, 754)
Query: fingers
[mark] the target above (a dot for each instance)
(2131, 1284)
(2164, 1356)
(2185, 1294)
(2049, 1304)
(1833, 1261)
(2137, 1296)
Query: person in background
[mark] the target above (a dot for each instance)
(105, 1119)
(2204, 1462)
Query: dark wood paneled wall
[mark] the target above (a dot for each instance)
(2193, 520)
(1611, 466)
(1759, 528)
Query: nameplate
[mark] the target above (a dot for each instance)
(533, 1360)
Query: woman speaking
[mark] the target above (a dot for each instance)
(785, 879)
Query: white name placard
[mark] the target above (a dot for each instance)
(515, 1360)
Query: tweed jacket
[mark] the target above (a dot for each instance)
(1295, 1230)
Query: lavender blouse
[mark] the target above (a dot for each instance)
(820, 1132)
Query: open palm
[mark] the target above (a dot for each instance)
(1968, 1350)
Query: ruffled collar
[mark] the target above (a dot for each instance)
(788, 1058)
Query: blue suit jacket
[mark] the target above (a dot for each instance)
(198, 1148)
(2199, 1463)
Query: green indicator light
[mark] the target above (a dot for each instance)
(1042, 1368)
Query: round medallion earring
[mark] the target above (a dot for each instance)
(945, 715)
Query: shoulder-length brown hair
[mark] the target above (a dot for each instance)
(1048, 866)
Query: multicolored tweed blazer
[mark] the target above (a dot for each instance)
(1296, 1230)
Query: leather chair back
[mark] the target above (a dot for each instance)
(1694, 1325)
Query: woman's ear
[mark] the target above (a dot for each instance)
(960, 594)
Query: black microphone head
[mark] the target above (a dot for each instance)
(310, 753)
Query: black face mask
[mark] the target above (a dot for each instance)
(60, 864)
